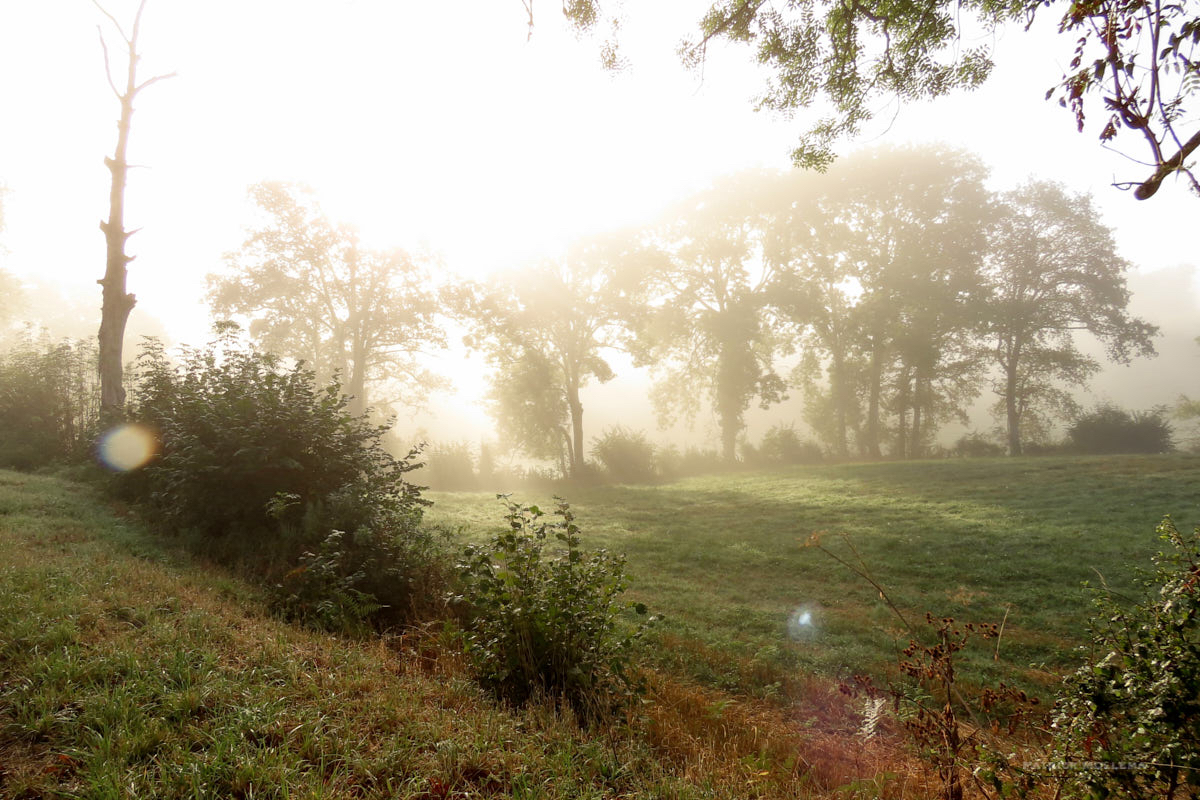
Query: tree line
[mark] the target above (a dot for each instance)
(903, 285)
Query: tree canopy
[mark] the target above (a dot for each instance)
(1133, 63)
(313, 293)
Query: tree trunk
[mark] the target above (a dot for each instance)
(875, 390)
(576, 409)
(117, 303)
(1011, 408)
(840, 401)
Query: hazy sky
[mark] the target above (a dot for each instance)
(438, 126)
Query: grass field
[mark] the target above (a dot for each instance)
(987, 540)
(128, 669)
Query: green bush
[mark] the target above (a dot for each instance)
(450, 467)
(49, 401)
(976, 445)
(1109, 429)
(260, 467)
(544, 618)
(1127, 723)
(782, 445)
(627, 456)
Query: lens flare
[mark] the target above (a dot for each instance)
(127, 447)
(802, 625)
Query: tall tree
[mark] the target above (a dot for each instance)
(887, 252)
(1054, 270)
(314, 294)
(118, 303)
(545, 331)
(706, 330)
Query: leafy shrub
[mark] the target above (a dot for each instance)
(627, 456)
(976, 445)
(237, 429)
(673, 464)
(450, 467)
(1109, 429)
(540, 622)
(782, 445)
(260, 466)
(49, 401)
(1131, 713)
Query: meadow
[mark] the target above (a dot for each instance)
(129, 668)
(729, 559)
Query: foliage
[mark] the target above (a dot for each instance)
(238, 431)
(1109, 429)
(674, 463)
(545, 618)
(627, 456)
(49, 401)
(313, 293)
(1137, 61)
(1127, 723)
(1053, 269)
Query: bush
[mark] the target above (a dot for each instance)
(627, 456)
(673, 464)
(782, 445)
(49, 402)
(543, 623)
(976, 445)
(450, 467)
(237, 430)
(1109, 429)
(1131, 714)
(260, 466)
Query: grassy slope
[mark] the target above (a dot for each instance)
(127, 671)
(723, 556)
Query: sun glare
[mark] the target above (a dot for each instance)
(127, 447)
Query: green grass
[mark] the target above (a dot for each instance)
(986, 540)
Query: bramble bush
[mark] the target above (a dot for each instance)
(1127, 723)
(544, 618)
(259, 465)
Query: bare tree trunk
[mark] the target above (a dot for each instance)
(576, 408)
(873, 399)
(117, 302)
(1011, 409)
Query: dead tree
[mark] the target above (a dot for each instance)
(118, 303)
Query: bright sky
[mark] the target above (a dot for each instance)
(436, 125)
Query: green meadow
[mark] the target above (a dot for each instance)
(729, 560)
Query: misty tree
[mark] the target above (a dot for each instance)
(881, 265)
(117, 302)
(544, 333)
(1053, 270)
(1186, 408)
(1137, 62)
(706, 330)
(11, 295)
(313, 293)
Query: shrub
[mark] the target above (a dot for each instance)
(692, 461)
(450, 467)
(976, 445)
(260, 466)
(1131, 713)
(1109, 429)
(782, 445)
(548, 623)
(627, 456)
(238, 430)
(49, 401)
